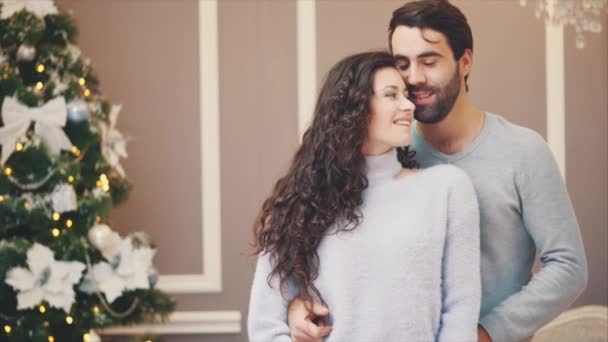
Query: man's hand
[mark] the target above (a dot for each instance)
(301, 323)
(483, 335)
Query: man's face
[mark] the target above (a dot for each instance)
(427, 65)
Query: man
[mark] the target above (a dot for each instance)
(523, 201)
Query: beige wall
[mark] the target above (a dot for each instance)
(587, 152)
(146, 56)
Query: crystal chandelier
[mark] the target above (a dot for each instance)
(584, 15)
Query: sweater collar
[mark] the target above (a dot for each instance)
(383, 167)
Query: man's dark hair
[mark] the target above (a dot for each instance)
(438, 15)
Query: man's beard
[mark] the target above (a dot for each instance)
(444, 102)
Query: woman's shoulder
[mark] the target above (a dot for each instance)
(448, 177)
(442, 176)
(445, 171)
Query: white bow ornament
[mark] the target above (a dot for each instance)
(49, 122)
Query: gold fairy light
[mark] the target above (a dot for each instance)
(40, 68)
(39, 85)
(86, 338)
(19, 147)
(76, 151)
(8, 329)
(8, 171)
(69, 223)
(42, 309)
(87, 92)
(56, 216)
(51, 339)
(96, 309)
(81, 81)
(55, 232)
(103, 182)
(98, 219)
(71, 179)
(1, 198)
(69, 320)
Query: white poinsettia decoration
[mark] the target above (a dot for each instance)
(38, 7)
(127, 270)
(45, 279)
(113, 143)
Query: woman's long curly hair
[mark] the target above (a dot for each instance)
(325, 182)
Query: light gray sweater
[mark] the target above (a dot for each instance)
(408, 272)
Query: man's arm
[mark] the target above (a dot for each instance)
(302, 322)
(549, 218)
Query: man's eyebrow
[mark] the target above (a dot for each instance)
(422, 55)
(429, 54)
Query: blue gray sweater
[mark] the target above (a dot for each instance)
(525, 209)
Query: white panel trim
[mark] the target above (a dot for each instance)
(556, 93)
(186, 322)
(307, 62)
(210, 279)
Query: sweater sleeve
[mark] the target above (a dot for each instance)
(461, 283)
(550, 220)
(267, 318)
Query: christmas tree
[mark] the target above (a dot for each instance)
(63, 271)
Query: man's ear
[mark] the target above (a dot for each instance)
(466, 62)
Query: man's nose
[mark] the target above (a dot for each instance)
(415, 76)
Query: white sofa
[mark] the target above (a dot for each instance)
(582, 324)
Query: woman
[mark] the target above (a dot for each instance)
(392, 252)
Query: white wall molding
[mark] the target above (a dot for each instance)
(210, 279)
(186, 322)
(556, 93)
(307, 62)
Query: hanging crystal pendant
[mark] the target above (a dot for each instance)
(584, 15)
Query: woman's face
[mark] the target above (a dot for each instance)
(391, 113)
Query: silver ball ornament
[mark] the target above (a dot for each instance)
(104, 239)
(63, 198)
(99, 235)
(78, 110)
(26, 53)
